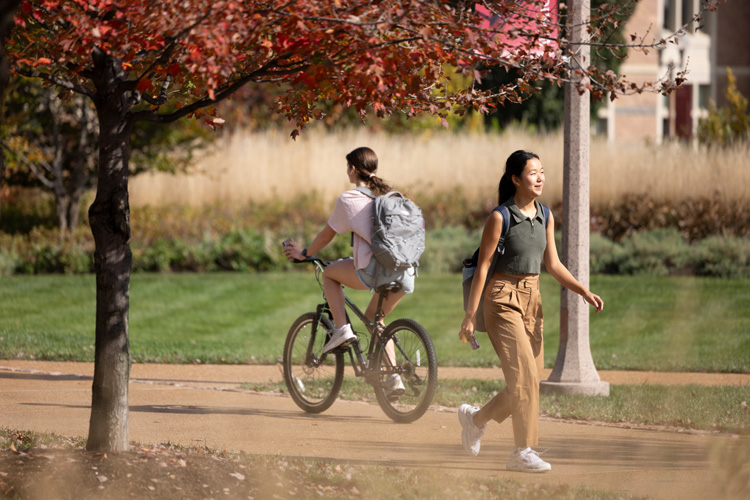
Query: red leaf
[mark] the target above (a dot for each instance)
(174, 70)
(144, 85)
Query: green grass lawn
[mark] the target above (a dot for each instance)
(648, 323)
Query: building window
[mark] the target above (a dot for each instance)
(669, 8)
(704, 93)
(688, 11)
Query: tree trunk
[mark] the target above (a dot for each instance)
(61, 208)
(73, 212)
(7, 10)
(109, 217)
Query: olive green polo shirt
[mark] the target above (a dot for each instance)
(525, 242)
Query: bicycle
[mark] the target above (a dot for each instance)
(314, 379)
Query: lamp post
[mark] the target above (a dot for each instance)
(574, 371)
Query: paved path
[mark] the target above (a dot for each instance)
(202, 405)
(231, 376)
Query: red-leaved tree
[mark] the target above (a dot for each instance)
(160, 61)
(7, 10)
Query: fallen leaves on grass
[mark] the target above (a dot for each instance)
(143, 472)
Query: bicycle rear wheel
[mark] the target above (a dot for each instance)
(312, 378)
(415, 362)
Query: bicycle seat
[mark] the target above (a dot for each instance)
(393, 286)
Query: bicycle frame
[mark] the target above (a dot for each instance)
(360, 364)
(399, 361)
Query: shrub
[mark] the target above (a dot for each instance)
(200, 247)
(244, 250)
(446, 249)
(158, 256)
(198, 257)
(453, 208)
(724, 257)
(45, 250)
(8, 259)
(604, 255)
(659, 252)
(695, 218)
(729, 124)
(75, 258)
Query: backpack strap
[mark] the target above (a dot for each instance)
(500, 242)
(506, 227)
(546, 212)
(366, 191)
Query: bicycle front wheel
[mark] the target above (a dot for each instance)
(409, 356)
(312, 378)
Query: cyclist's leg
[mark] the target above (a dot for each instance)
(389, 304)
(336, 274)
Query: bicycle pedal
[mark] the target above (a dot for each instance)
(343, 347)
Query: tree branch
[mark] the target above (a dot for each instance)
(162, 97)
(24, 159)
(79, 89)
(152, 116)
(167, 52)
(223, 92)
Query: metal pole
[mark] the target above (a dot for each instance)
(574, 371)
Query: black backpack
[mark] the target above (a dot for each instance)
(470, 264)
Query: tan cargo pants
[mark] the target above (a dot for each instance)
(513, 315)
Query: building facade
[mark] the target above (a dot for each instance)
(721, 42)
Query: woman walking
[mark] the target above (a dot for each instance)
(513, 309)
(353, 214)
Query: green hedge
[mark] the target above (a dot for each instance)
(661, 252)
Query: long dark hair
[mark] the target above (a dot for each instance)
(514, 165)
(365, 163)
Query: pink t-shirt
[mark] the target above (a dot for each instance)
(353, 213)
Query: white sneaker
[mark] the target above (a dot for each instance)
(470, 433)
(339, 337)
(394, 386)
(526, 460)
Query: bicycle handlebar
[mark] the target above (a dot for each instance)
(313, 260)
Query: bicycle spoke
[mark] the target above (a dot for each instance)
(408, 360)
(312, 378)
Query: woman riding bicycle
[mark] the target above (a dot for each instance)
(353, 213)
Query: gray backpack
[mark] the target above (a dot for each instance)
(398, 231)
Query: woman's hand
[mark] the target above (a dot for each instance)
(467, 329)
(593, 299)
(292, 251)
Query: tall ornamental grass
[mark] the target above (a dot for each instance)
(268, 165)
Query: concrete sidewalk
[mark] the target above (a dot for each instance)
(202, 405)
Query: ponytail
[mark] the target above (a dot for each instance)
(365, 163)
(506, 189)
(378, 186)
(514, 165)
